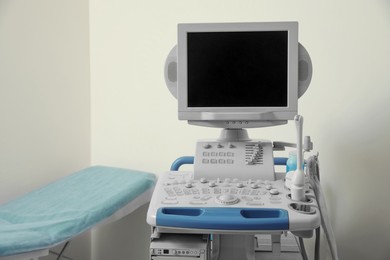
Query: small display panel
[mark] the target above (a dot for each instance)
(237, 69)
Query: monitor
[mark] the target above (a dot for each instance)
(237, 75)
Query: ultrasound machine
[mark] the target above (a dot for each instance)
(234, 205)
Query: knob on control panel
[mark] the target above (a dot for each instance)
(227, 199)
(212, 184)
(239, 185)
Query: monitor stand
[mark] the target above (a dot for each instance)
(234, 135)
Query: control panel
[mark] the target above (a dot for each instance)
(248, 159)
(180, 201)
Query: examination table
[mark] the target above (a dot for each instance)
(32, 224)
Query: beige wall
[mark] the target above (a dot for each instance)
(134, 117)
(44, 96)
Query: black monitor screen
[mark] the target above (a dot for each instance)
(237, 69)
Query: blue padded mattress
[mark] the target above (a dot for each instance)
(68, 207)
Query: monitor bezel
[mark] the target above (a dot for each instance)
(247, 114)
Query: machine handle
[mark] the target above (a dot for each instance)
(180, 161)
(223, 218)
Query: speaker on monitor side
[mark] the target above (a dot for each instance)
(170, 71)
(305, 71)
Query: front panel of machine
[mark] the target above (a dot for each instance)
(179, 201)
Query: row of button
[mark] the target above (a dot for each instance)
(235, 180)
(226, 183)
(218, 180)
(176, 191)
(216, 161)
(221, 154)
(219, 146)
(184, 252)
(203, 200)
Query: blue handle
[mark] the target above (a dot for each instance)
(223, 218)
(180, 161)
